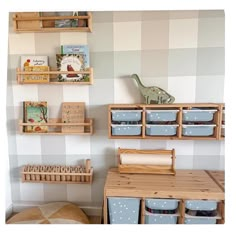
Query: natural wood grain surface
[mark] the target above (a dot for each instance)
(186, 184)
(219, 177)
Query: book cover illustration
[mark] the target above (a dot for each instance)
(77, 49)
(35, 112)
(33, 61)
(73, 112)
(71, 63)
(36, 78)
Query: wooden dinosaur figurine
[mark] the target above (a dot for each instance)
(153, 93)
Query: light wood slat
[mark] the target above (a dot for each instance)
(46, 30)
(53, 80)
(31, 18)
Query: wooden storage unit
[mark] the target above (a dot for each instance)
(53, 77)
(178, 123)
(55, 127)
(185, 185)
(57, 174)
(33, 22)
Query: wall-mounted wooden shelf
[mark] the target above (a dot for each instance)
(26, 22)
(55, 127)
(53, 77)
(132, 121)
(58, 174)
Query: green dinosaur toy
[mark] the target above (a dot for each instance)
(153, 93)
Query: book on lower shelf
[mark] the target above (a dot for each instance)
(72, 63)
(73, 112)
(35, 112)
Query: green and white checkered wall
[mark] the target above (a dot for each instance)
(179, 51)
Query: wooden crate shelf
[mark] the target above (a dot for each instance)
(216, 122)
(57, 174)
(24, 23)
(53, 77)
(55, 126)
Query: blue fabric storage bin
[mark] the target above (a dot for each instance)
(126, 115)
(196, 114)
(198, 130)
(127, 130)
(161, 130)
(123, 210)
(161, 204)
(161, 115)
(200, 220)
(201, 205)
(160, 219)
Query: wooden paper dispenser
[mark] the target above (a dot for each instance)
(146, 161)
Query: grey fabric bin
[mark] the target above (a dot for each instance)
(161, 130)
(198, 130)
(123, 210)
(162, 204)
(160, 219)
(202, 115)
(126, 130)
(199, 220)
(161, 115)
(126, 115)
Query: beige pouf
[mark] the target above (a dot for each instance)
(51, 213)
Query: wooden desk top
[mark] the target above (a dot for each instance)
(218, 177)
(186, 184)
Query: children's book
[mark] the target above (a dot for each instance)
(74, 63)
(73, 112)
(36, 78)
(77, 49)
(35, 112)
(33, 61)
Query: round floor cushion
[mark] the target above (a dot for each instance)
(51, 213)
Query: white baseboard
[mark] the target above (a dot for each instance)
(9, 211)
(90, 210)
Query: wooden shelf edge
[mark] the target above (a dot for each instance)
(88, 71)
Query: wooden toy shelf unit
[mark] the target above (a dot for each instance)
(190, 121)
(163, 199)
(52, 77)
(43, 22)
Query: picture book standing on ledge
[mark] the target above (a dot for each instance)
(73, 112)
(35, 112)
(35, 64)
(71, 63)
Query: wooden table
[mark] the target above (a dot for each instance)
(186, 184)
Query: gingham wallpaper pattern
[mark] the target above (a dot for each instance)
(180, 51)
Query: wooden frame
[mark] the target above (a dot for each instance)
(147, 169)
(185, 185)
(24, 24)
(55, 125)
(57, 174)
(217, 120)
(53, 79)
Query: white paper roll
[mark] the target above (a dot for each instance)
(145, 159)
